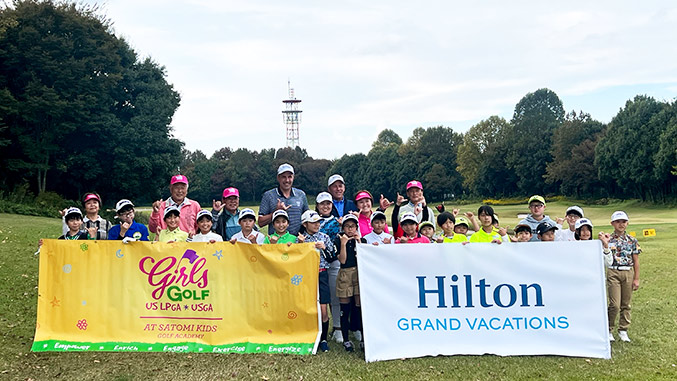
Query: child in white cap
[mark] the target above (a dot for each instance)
(622, 277)
(204, 223)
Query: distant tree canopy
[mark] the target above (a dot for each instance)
(80, 112)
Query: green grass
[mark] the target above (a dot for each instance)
(651, 355)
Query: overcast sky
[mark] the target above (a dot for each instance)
(362, 66)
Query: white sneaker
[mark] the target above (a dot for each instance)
(624, 336)
(337, 336)
(358, 335)
(611, 337)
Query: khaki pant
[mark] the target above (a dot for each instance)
(619, 290)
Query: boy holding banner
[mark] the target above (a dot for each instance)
(127, 229)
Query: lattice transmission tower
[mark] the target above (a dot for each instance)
(291, 116)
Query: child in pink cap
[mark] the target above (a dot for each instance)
(178, 188)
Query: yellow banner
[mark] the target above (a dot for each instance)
(178, 297)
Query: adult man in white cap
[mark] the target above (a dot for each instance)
(284, 197)
(336, 186)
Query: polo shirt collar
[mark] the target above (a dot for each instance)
(279, 192)
(170, 202)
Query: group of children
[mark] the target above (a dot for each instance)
(336, 240)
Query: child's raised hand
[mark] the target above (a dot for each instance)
(604, 237)
(387, 240)
(384, 203)
(354, 213)
(281, 205)
(156, 206)
(92, 232)
(418, 209)
(512, 238)
(301, 238)
(469, 215)
(320, 245)
(63, 212)
(233, 240)
(400, 199)
(273, 238)
(560, 220)
(503, 231)
(125, 226)
(217, 205)
(455, 211)
(344, 239)
(252, 238)
(440, 239)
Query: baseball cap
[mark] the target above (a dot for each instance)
(122, 203)
(536, 198)
(619, 215)
(363, 194)
(377, 215)
(576, 209)
(350, 217)
(408, 217)
(322, 197)
(230, 191)
(424, 224)
(310, 216)
(522, 227)
(171, 209)
(414, 184)
(335, 178)
(179, 179)
(247, 212)
(203, 213)
(73, 210)
(581, 222)
(545, 227)
(461, 220)
(280, 213)
(286, 167)
(91, 196)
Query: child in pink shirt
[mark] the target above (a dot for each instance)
(409, 223)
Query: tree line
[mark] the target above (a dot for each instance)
(79, 111)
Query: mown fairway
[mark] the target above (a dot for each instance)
(651, 355)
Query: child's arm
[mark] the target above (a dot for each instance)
(473, 221)
(342, 256)
(396, 212)
(635, 266)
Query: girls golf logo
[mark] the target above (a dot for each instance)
(171, 275)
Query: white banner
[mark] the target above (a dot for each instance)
(540, 298)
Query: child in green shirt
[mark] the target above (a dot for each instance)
(280, 224)
(172, 216)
